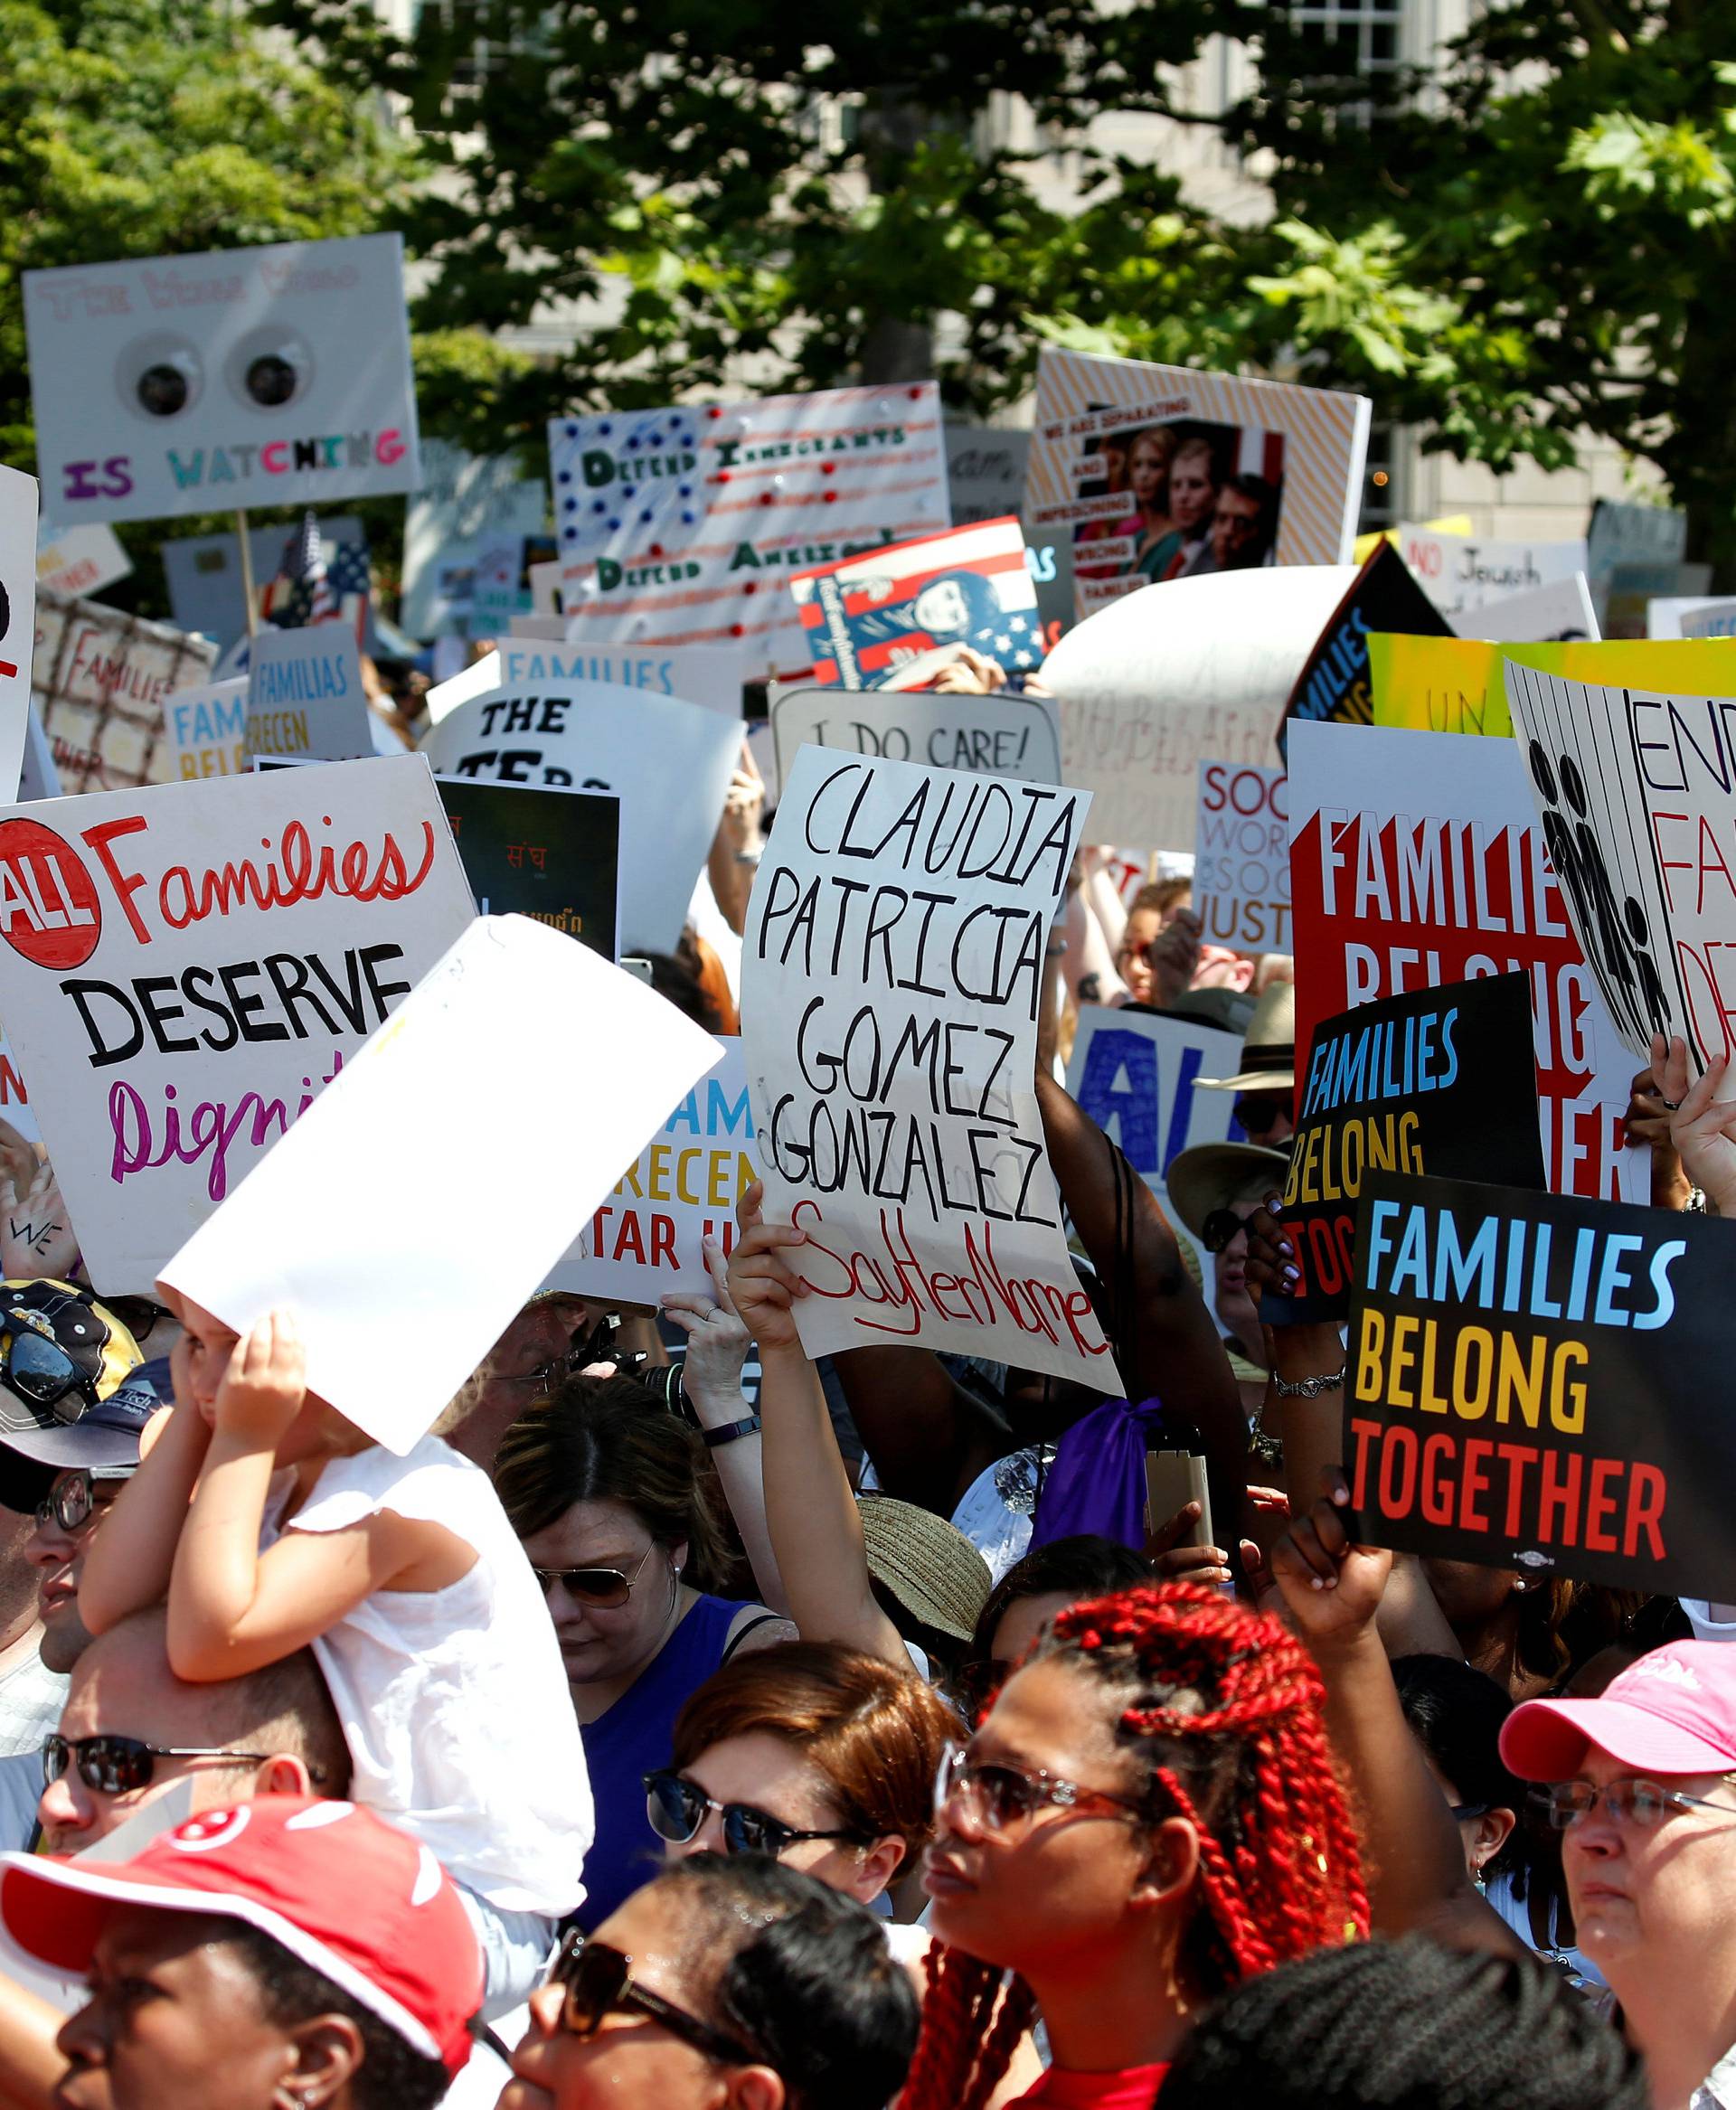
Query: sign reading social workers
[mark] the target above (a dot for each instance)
(270, 376)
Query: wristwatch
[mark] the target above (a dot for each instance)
(715, 1438)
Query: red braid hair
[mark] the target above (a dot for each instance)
(1222, 1713)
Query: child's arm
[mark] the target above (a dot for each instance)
(128, 1568)
(232, 1608)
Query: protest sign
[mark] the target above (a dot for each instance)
(1625, 534)
(1558, 613)
(38, 778)
(388, 1349)
(1160, 682)
(1637, 794)
(206, 591)
(682, 526)
(1133, 1072)
(1447, 684)
(896, 617)
(1690, 616)
(275, 375)
(551, 855)
(1416, 860)
(647, 1237)
(1533, 1386)
(466, 502)
(184, 965)
(70, 561)
(17, 617)
(1241, 859)
(1333, 683)
(305, 697)
(984, 471)
(890, 975)
(204, 731)
(1631, 589)
(1441, 1081)
(992, 736)
(670, 762)
(99, 680)
(711, 675)
(1159, 473)
(1460, 573)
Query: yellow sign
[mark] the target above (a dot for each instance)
(1454, 684)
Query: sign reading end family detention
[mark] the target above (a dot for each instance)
(1535, 1382)
(891, 970)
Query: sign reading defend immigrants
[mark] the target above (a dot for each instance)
(185, 966)
(891, 973)
(1534, 1383)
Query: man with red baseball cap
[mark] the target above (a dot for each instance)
(1642, 1785)
(281, 1950)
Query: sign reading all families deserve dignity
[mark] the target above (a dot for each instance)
(890, 975)
(684, 526)
(991, 735)
(1162, 473)
(648, 1236)
(670, 763)
(1636, 794)
(304, 695)
(1241, 858)
(1335, 682)
(1133, 1072)
(185, 966)
(1458, 684)
(17, 617)
(1440, 1081)
(1160, 682)
(1534, 1385)
(278, 375)
(894, 618)
(551, 855)
(388, 1347)
(1417, 859)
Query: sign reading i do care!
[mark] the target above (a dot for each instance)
(185, 966)
(891, 972)
(1533, 1384)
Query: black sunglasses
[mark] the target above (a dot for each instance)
(1221, 1227)
(595, 1978)
(1259, 1112)
(43, 1372)
(677, 1808)
(71, 1498)
(115, 1766)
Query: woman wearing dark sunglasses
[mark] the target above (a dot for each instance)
(728, 1983)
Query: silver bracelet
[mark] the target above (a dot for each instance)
(1311, 1387)
(1696, 1203)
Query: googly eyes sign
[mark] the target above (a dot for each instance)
(17, 619)
(271, 376)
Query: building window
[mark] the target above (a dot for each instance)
(1351, 36)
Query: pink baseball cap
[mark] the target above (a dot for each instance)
(359, 1901)
(1673, 1711)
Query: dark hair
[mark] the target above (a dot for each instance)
(610, 1439)
(1405, 2025)
(393, 2075)
(1455, 1713)
(806, 1978)
(675, 978)
(1086, 1565)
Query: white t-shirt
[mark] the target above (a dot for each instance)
(455, 1702)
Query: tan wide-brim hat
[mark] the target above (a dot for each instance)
(928, 1565)
(1203, 1179)
(1268, 1050)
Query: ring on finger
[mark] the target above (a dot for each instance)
(1669, 1105)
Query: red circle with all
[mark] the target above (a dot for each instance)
(50, 911)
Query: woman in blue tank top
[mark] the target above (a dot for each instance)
(610, 1495)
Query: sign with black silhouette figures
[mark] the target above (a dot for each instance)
(1417, 859)
(1442, 1081)
(186, 966)
(890, 975)
(1637, 793)
(1533, 1384)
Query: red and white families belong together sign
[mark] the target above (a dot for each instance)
(186, 966)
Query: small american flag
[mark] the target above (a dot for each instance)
(305, 568)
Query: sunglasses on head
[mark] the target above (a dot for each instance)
(1221, 1227)
(606, 1588)
(677, 1806)
(71, 1498)
(114, 1766)
(41, 1371)
(596, 1983)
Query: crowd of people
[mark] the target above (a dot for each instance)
(690, 1722)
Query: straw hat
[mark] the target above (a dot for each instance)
(1204, 1179)
(931, 1568)
(1268, 1050)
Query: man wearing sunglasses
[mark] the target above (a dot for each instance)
(1215, 1188)
(726, 1983)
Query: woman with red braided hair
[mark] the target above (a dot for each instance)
(1147, 1814)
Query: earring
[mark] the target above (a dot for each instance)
(1519, 1584)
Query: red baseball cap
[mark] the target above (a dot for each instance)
(359, 1901)
(1673, 1711)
